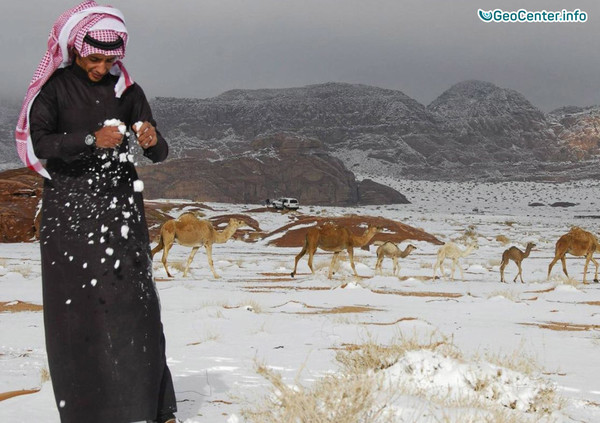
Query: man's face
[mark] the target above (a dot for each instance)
(95, 65)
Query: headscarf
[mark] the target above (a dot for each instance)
(106, 26)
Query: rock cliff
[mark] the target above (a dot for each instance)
(280, 165)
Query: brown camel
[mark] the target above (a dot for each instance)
(516, 255)
(332, 237)
(389, 249)
(579, 243)
(190, 231)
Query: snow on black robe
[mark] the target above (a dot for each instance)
(101, 310)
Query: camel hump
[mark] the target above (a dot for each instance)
(187, 217)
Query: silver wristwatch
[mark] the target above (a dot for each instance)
(90, 139)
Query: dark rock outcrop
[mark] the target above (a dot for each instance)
(370, 192)
(294, 234)
(20, 195)
(277, 166)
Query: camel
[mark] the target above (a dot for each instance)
(332, 237)
(389, 249)
(516, 255)
(190, 231)
(579, 243)
(452, 251)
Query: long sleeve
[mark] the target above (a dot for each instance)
(48, 142)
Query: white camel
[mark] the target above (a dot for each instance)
(453, 252)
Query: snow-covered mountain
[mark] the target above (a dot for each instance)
(496, 124)
(387, 123)
(473, 130)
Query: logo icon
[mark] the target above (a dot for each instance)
(485, 16)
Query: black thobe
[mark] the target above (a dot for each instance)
(104, 335)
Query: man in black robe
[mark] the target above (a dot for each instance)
(104, 337)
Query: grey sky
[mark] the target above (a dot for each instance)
(422, 47)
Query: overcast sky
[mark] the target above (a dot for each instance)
(197, 48)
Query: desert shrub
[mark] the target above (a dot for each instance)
(24, 269)
(334, 398)
(360, 393)
(469, 235)
(44, 375)
(502, 239)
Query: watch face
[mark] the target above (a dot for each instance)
(90, 139)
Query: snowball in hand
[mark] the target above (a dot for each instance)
(136, 126)
(116, 122)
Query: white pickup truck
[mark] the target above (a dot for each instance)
(285, 203)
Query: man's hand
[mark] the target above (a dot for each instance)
(146, 134)
(108, 137)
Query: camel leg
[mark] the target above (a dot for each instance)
(298, 257)
(378, 265)
(442, 271)
(585, 267)
(159, 247)
(563, 260)
(552, 263)
(189, 260)
(502, 266)
(520, 274)
(164, 258)
(333, 260)
(395, 260)
(462, 275)
(311, 255)
(596, 274)
(455, 263)
(210, 260)
(351, 255)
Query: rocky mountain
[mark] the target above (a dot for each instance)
(495, 124)
(275, 166)
(387, 123)
(474, 128)
(578, 128)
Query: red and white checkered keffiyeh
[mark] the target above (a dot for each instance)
(103, 23)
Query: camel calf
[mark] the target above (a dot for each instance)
(332, 237)
(516, 255)
(389, 249)
(579, 243)
(452, 251)
(190, 231)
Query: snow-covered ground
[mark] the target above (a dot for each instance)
(513, 342)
